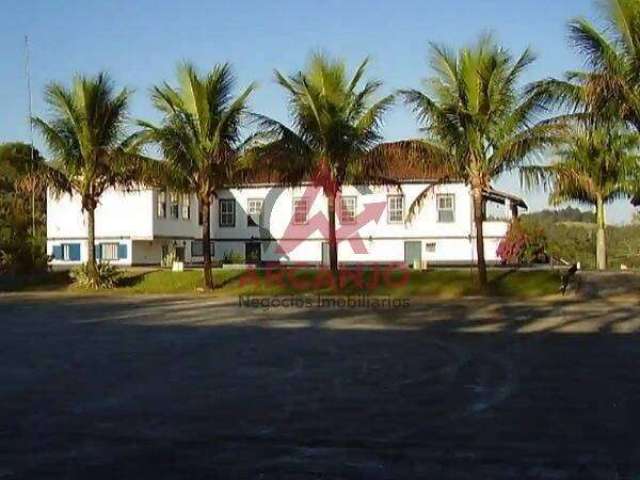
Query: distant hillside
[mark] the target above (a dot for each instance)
(568, 214)
(570, 235)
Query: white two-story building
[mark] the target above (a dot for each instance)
(263, 222)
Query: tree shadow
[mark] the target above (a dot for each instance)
(472, 388)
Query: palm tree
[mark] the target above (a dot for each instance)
(335, 137)
(200, 138)
(87, 139)
(477, 121)
(595, 165)
(610, 87)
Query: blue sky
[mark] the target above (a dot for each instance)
(140, 41)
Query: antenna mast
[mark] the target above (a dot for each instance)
(30, 108)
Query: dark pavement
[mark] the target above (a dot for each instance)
(166, 388)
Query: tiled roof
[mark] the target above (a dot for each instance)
(397, 168)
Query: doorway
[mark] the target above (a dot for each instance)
(252, 253)
(413, 254)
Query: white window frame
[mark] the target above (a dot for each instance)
(66, 252)
(228, 215)
(393, 209)
(103, 251)
(254, 212)
(185, 207)
(161, 208)
(440, 198)
(350, 219)
(174, 206)
(301, 201)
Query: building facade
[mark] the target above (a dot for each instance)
(268, 224)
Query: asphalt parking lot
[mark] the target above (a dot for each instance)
(160, 388)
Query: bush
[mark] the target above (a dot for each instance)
(22, 258)
(233, 257)
(523, 244)
(107, 276)
(168, 259)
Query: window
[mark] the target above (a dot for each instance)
(67, 251)
(446, 208)
(196, 248)
(395, 209)
(430, 247)
(347, 209)
(109, 251)
(300, 211)
(186, 207)
(162, 205)
(227, 213)
(174, 206)
(254, 212)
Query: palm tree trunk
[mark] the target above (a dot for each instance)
(205, 204)
(333, 243)
(91, 242)
(479, 220)
(601, 239)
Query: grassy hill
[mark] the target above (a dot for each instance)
(571, 235)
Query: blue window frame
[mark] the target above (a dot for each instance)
(69, 252)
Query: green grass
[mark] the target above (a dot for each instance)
(436, 283)
(430, 284)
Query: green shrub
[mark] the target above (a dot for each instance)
(107, 276)
(23, 257)
(233, 257)
(168, 259)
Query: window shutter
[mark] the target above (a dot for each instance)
(57, 252)
(74, 252)
(98, 251)
(122, 251)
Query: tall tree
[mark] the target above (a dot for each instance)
(477, 120)
(611, 85)
(200, 137)
(87, 139)
(335, 137)
(609, 89)
(22, 209)
(22, 166)
(595, 165)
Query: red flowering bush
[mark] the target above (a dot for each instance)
(523, 244)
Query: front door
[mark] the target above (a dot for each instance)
(325, 254)
(252, 253)
(413, 254)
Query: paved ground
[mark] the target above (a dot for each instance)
(157, 388)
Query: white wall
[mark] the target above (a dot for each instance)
(133, 217)
(384, 241)
(175, 228)
(118, 215)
